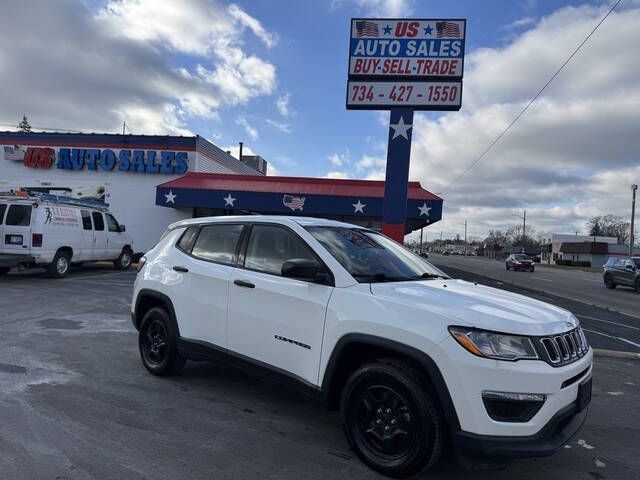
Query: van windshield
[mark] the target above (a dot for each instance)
(371, 257)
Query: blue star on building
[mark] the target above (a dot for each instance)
(428, 30)
(387, 30)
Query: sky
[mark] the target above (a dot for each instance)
(272, 73)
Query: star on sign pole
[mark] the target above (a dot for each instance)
(229, 200)
(424, 210)
(358, 207)
(170, 197)
(400, 129)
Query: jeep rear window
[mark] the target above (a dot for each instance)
(3, 207)
(19, 215)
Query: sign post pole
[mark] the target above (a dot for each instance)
(394, 208)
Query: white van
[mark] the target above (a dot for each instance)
(55, 232)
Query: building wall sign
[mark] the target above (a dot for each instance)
(140, 161)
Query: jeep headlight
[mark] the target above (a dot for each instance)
(499, 346)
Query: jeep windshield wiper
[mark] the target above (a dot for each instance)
(382, 277)
(427, 275)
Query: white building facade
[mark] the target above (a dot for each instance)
(122, 170)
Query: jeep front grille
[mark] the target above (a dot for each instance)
(564, 348)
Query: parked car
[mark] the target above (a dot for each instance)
(622, 271)
(412, 358)
(520, 261)
(41, 230)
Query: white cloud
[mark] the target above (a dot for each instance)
(96, 69)
(235, 150)
(340, 159)
(254, 25)
(282, 104)
(520, 23)
(379, 8)
(336, 174)
(283, 127)
(571, 156)
(250, 129)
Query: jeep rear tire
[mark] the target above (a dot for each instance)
(157, 342)
(391, 419)
(123, 262)
(60, 266)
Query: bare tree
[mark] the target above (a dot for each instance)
(609, 226)
(516, 238)
(496, 237)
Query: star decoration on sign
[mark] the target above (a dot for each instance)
(428, 30)
(387, 30)
(228, 200)
(358, 207)
(170, 197)
(424, 210)
(400, 129)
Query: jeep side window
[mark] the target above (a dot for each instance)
(112, 224)
(19, 215)
(3, 207)
(98, 222)
(187, 239)
(86, 220)
(270, 246)
(217, 243)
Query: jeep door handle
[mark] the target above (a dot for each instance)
(178, 268)
(242, 283)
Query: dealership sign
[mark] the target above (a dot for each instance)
(142, 161)
(400, 63)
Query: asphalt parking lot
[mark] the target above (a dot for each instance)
(76, 403)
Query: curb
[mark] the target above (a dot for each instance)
(616, 354)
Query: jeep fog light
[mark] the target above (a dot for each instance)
(512, 407)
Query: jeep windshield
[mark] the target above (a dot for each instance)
(371, 257)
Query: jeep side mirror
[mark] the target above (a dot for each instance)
(303, 269)
(122, 229)
(630, 267)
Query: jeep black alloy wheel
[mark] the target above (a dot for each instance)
(390, 419)
(157, 344)
(608, 281)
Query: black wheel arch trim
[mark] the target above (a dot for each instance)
(164, 299)
(421, 358)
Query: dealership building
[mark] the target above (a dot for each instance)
(151, 181)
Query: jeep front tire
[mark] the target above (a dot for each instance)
(391, 419)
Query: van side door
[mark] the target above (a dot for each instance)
(87, 238)
(115, 238)
(100, 237)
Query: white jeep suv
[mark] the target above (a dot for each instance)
(411, 357)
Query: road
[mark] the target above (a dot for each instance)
(76, 403)
(574, 284)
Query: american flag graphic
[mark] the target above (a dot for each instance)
(14, 154)
(365, 28)
(294, 203)
(447, 29)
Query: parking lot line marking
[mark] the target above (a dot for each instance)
(608, 321)
(543, 279)
(614, 337)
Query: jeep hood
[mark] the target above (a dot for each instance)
(479, 306)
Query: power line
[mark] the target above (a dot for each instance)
(526, 107)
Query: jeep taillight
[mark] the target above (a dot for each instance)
(141, 263)
(36, 240)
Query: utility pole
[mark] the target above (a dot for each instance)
(465, 238)
(124, 125)
(634, 187)
(421, 240)
(524, 229)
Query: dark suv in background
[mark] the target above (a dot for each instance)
(622, 271)
(520, 261)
